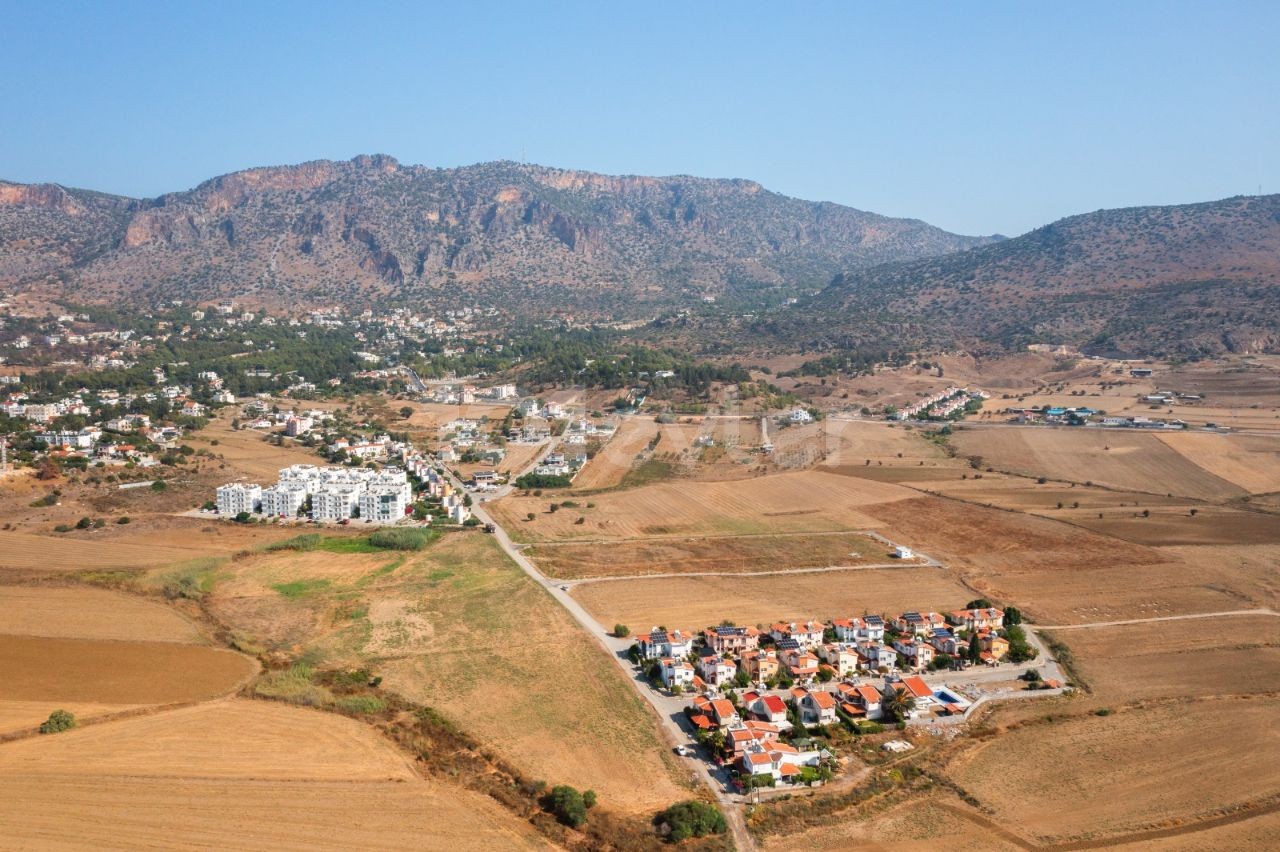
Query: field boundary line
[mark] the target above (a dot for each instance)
(1156, 619)
(879, 566)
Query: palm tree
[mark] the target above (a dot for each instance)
(897, 703)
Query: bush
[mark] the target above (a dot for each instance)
(58, 721)
(307, 541)
(243, 517)
(569, 806)
(692, 819)
(622, 631)
(403, 539)
(62, 528)
(84, 523)
(159, 485)
(123, 519)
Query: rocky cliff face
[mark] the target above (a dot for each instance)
(523, 236)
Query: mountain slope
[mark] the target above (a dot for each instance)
(506, 234)
(1189, 280)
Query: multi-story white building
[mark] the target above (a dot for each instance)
(382, 505)
(334, 502)
(283, 499)
(234, 498)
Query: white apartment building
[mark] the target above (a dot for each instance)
(334, 503)
(382, 505)
(234, 498)
(284, 499)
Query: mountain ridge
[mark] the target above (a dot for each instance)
(370, 228)
(1189, 280)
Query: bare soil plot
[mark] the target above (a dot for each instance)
(1232, 655)
(1251, 462)
(697, 602)
(84, 613)
(109, 672)
(1124, 459)
(219, 739)
(744, 554)
(1249, 831)
(1106, 767)
(852, 442)
(805, 501)
(618, 455)
(432, 415)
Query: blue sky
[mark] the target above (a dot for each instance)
(979, 117)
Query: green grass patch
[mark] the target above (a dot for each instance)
(647, 472)
(361, 704)
(191, 580)
(383, 571)
(295, 684)
(301, 588)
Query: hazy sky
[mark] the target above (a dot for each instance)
(979, 117)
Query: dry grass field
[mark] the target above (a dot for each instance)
(1132, 770)
(20, 716)
(460, 628)
(618, 455)
(806, 501)
(246, 451)
(1251, 462)
(432, 415)
(698, 602)
(112, 672)
(730, 554)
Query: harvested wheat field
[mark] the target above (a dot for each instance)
(806, 501)
(237, 774)
(1173, 659)
(236, 738)
(84, 613)
(616, 457)
(138, 813)
(729, 554)
(1102, 766)
(110, 672)
(697, 602)
(16, 716)
(1249, 461)
(1128, 460)
(50, 553)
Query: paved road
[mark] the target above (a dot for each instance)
(675, 726)
(1095, 624)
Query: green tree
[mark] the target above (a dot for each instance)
(1012, 616)
(621, 630)
(58, 721)
(692, 819)
(569, 806)
(405, 412)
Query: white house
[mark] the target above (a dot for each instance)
(676, 672)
